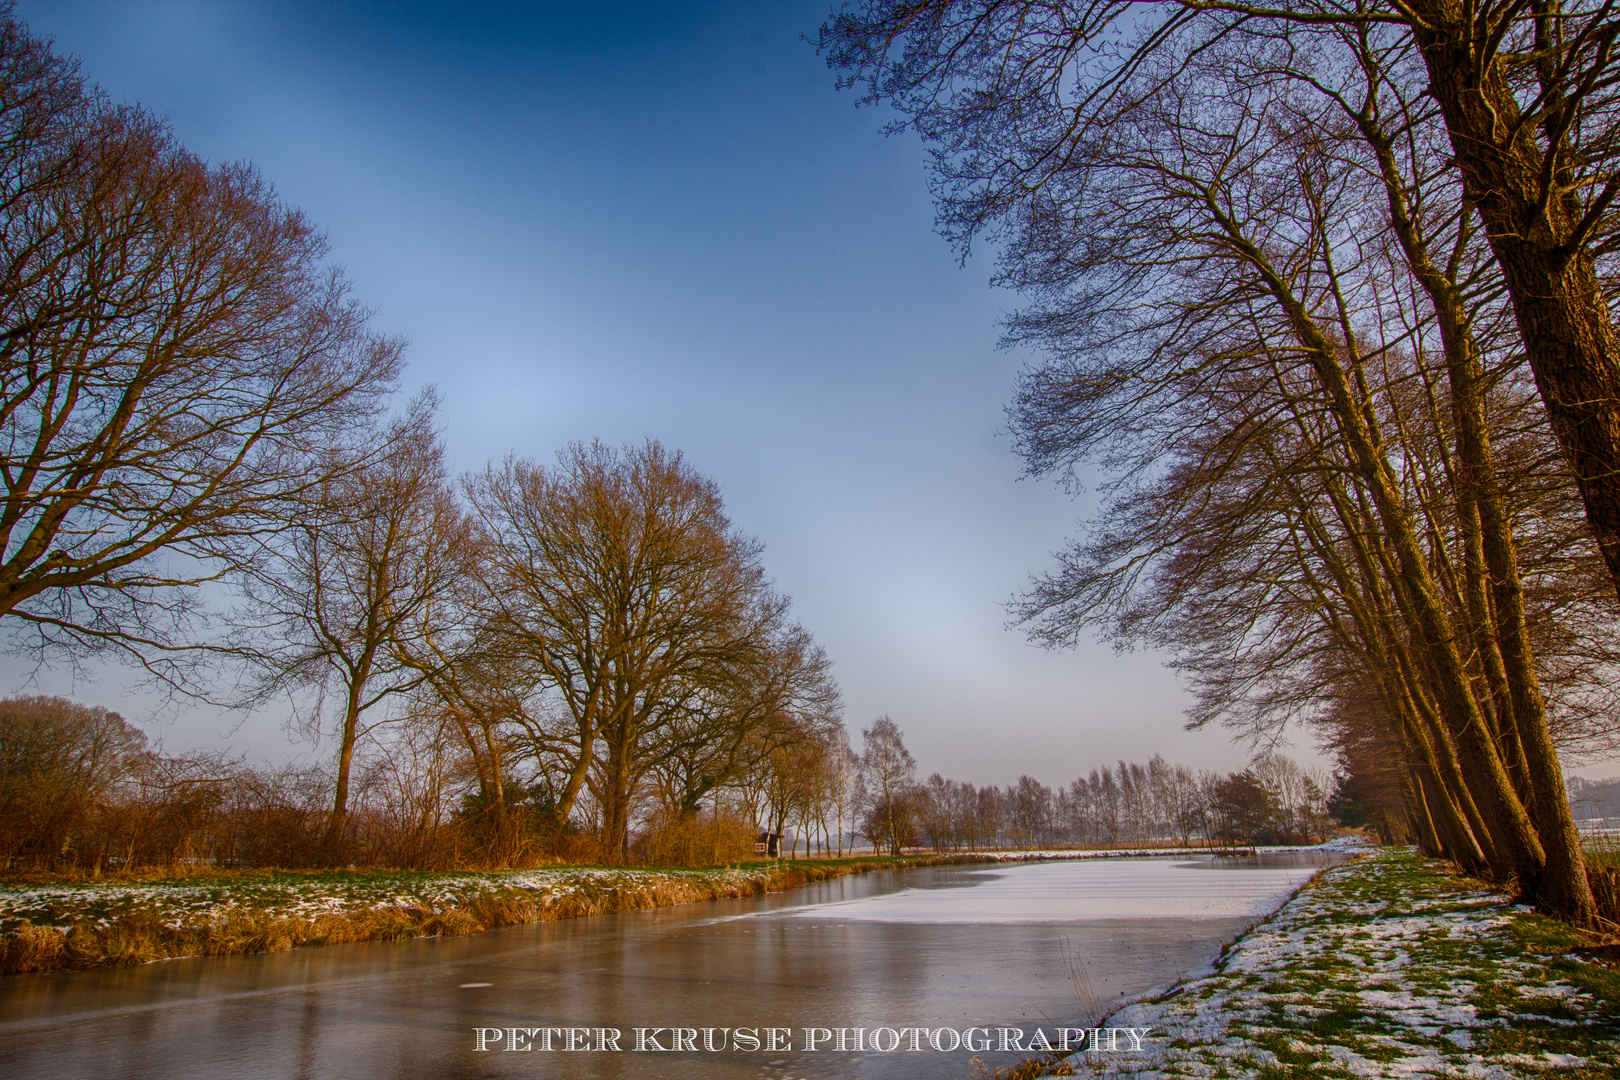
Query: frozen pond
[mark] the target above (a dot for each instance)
(1092, 889)
(943, 949)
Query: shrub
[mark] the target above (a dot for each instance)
(695, 840)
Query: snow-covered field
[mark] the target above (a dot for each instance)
(1088, 889)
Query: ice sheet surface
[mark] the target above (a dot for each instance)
(1094, 889)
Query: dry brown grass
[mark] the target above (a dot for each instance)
(1028, 1069)
(140, 939)
(32, 948)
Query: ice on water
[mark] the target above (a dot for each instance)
(1095, 889)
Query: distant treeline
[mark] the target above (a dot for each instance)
(1156, 804)
(1595, 800)
(1274, 802)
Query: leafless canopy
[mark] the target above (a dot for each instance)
(179, 366)
(617, 576)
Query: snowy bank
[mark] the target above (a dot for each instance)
(1389, 967)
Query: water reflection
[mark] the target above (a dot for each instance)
(408, 1009)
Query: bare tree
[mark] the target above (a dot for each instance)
(990, 811)
(888, 784)
(791, 773)
(1029, 805)
(179, 368)
(1282, 777)
(842, 775)
(478, 690)
(405, 786)
(1526, 98)
(712, 729)
(936, 812)
(1243, 808)
(1186, 807)
(620, 578)
(349, 582)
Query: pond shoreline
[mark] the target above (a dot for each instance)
(1390, 966)
(81, 925)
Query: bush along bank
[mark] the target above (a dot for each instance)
(98, 924)
(1390, 966)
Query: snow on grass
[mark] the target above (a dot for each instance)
(1389, 967)
(304, 896)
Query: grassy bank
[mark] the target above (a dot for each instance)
(1387, 967)
(46, 926)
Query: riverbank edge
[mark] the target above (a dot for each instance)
(141, 936)
(1393, 965)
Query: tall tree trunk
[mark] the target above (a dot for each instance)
(1566, 889)
(333, 846)
(1512, 833)
(1510, 824)
(616, 797)
(1421, 820)
(1537, 233)
(1442, 805)
(1526, 741)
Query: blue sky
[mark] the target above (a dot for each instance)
(626, 220)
